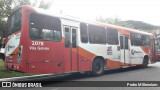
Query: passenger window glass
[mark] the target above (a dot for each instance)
(84, 34)
(97, 34)
(145, 40)
(43, 27)
(112, 36)
(136, 39)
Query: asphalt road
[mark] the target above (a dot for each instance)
(152, 73)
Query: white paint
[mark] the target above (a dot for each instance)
(35, 43)
(12, 44)
(40, 48)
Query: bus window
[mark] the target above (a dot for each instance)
(14, 22)
(35, 33)
(136, 39)
(84, 34)
(97, 34)
(145, 40)
(44, 27)
(57, 35)
(47, 34)
(112, 36)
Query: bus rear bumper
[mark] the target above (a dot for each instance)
(11, 66)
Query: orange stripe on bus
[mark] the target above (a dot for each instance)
(112, 64)
(86, 54)
(15, 51)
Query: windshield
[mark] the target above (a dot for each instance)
(43, 27)
(14, 22)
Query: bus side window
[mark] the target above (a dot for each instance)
(43, 27)
(112, 36)
(35, 33)
(136, 39)
(97, 34)
(84, 34)
(145, 40)
(57, 35)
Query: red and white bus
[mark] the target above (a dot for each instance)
(44, 43)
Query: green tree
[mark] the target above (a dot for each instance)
(114, 21)
(8, 6)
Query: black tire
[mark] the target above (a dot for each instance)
(97, 67)
(145, 62)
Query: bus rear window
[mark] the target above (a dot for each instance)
(14, 22)
(43, 27)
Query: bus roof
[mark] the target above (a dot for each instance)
(63, 16)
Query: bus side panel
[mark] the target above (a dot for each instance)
(112, 64)
(85, 59)
(49, 60)
(42, 67)
(137, 55)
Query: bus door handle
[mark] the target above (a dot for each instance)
(46, 61)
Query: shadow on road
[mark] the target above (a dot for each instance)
(77, 76)
(52, 80)
(122, 70)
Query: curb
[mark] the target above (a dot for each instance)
(33, 77)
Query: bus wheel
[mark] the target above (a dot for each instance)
(145, 62)
(97, 67)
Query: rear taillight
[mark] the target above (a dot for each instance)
(20, 53)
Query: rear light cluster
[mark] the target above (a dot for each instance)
(20, 53)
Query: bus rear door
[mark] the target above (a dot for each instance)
(124, 50)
